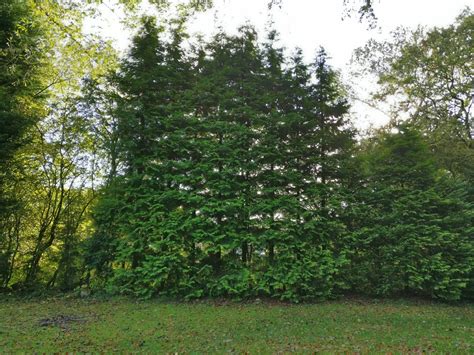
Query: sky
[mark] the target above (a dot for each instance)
(307, 24)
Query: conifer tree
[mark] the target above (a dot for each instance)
(271, 180)
(151, 150)
(228, 106)
(415, 228)
(232, 170)
(317, 139)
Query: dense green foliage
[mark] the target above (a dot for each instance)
(19, 61)
(228, 168)
(21, 103)
(232, 169)
(47, 159)
(239, 176)
(414, 224)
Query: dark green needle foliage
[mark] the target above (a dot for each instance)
(148, 192)
(236, 174)
(416, 223)
(229, 167)
(232, 161)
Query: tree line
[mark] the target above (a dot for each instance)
(230, 168)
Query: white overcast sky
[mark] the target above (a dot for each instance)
(307, 24)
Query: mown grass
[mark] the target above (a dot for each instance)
(126, 325)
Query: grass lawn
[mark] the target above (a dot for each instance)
(121, 324)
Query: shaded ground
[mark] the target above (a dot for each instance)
(150, 326)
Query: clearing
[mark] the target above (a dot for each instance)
(121, 324)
